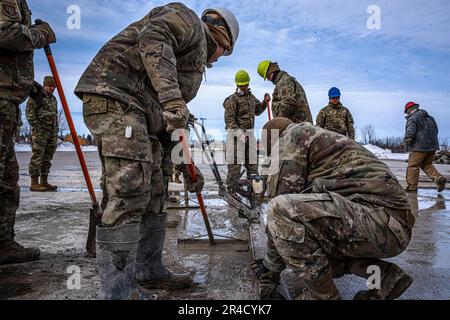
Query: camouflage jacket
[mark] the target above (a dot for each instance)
(18, 39)
(337, 119)
(42, 113)
(289, 99)
(314, 160)
(240, 111)
(154, 60)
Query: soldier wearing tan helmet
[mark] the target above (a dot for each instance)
(135, 92)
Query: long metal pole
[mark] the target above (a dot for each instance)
(189, 162)
(95, 212)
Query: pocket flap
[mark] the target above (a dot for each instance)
(399, 232)
(94, 105)
(286, 229)
(135, 148)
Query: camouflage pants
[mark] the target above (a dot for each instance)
(9, 171)
(43, 145)
(167, 165)
(132, 179)
(310, 233)
(240, 156)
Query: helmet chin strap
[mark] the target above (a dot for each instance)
(242, 93)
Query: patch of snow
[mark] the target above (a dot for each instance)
(385, 154)
(21, 147)
(64, 147)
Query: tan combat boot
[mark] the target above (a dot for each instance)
(35, 186)
(177, 178)
(440, 182)
(12, 252)
(45, 184)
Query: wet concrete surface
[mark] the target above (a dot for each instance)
(57, 222)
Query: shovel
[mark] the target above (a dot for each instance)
(95, 212)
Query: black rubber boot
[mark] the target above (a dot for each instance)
(12, 252)
(150, 271)
(394, 281)
(116, 261)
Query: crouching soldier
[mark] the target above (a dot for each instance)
(335, 209)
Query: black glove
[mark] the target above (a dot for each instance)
(260, 269)
(192, 119)
(36, 90)
(47, 31)
(191, 185)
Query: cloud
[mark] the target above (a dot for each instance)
(321, 43)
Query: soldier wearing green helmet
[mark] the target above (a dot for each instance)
(289, 97)
(240, 111)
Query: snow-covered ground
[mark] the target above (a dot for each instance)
(385, 154)
(66, 146)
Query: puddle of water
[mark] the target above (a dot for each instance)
(215, 202)
(432, 193)
(63, 189)
(224, 222)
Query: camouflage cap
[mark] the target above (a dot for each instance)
(279, 124)
(49, 81)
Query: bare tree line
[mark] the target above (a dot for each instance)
(24, 134)
(395, 144)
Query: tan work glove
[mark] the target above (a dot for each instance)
(190, 184)
(176, 114)
(47, 31)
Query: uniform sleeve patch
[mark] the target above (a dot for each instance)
(10, 11)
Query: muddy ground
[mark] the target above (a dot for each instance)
(57, 223)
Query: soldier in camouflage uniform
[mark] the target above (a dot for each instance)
(335, 209)
(335, 117)
(19, 125)
(18, 39)
(289, 98)
(134, 92)
(42, 115)
(240, 111)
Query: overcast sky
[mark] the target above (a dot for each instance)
(321, 43)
